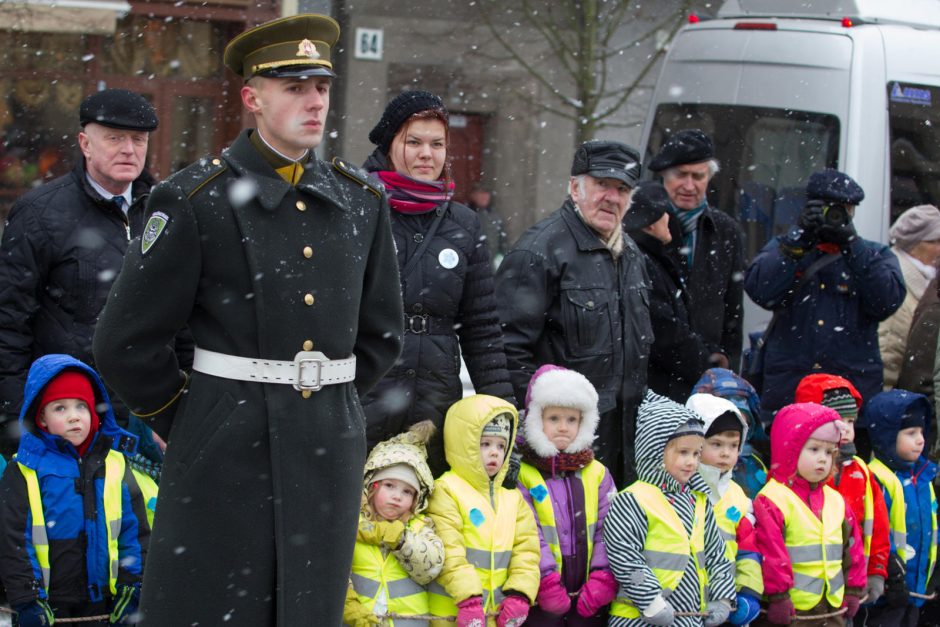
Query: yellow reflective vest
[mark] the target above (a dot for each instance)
(113, 477)
(375, 574)
(729, 511)
(814, 545)
(591, 477)
(668, 548)
(898, 513)
(488, 537)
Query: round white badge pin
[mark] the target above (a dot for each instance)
(448, 258)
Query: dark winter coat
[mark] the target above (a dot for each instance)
(679, 355)
(564, 299)
(917, 365)
(831, 324)
(72, 494)
(714, 282)
(62, 247)
(261, 485)
(448, 312)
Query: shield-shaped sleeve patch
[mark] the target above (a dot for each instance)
(154, 229)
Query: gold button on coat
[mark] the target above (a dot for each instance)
(306, 393)
(216, 162)
(301, 205)
(308, 345)
(308, 252)
(308, 298)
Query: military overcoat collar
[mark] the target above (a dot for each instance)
(317, 180)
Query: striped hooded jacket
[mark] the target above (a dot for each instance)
(626, 524)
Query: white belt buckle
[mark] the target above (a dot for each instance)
(302, 362)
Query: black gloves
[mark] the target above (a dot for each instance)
(840, 235)
(896, 592)
(804, 236)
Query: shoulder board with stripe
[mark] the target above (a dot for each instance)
(204, 172)
(358, 175)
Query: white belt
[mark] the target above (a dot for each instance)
(310, 370)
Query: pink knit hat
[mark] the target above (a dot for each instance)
(830, 432)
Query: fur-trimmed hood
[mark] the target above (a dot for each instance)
(554, 386)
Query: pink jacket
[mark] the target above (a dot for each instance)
(792, 427)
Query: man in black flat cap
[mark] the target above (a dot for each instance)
(711, 247)
(828, 289)
(679, 355)
(64, 244)
(574, 292)
(283, 266)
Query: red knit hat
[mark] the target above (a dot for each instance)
(69, 384)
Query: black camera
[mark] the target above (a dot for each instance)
(834, 213)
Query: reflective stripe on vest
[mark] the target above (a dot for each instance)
(113, 475)
(729, 512)
(868, 523)
(668, 547)
(374, 573)
(814, 545)
(488, 543)
(898, 521)
(148, 490)
(591, 477)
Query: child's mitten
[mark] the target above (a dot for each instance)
(512, 611)
(659, 612)
(747, 610)
(125, 605)
(718, 612)
(781, 611)
(599, 590)
(851, 602)
(470, 613)
(875, 588)
(34, 614)
(379, 532)
(552, 597)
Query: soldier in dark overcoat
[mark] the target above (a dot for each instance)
(284, 268)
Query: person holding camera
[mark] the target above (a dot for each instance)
(828, 289)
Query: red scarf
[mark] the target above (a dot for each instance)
(563, 462)
(410, 196)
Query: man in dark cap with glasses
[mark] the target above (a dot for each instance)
(64, 243)
(284, 268)
(574, 292)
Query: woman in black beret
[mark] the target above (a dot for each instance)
(446, 278)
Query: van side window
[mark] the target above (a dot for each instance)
(765, 154)
(914, 131)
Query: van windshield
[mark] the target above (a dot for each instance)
(765, 154)
(914, 119)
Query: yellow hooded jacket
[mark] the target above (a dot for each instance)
(475, 515)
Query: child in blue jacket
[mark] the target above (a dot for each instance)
(74, 516)
(898, 424)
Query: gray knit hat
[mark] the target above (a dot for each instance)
(917, 224)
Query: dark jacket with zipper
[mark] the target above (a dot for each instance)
(565, 299)
(679, 355)
(62, 248)
(449, 312)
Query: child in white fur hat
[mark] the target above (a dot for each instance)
(570, 492)
(397, 549)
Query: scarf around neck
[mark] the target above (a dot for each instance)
(689, 222)
(411, 196)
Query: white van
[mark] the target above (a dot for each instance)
(785, 88)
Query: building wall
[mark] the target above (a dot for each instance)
(444, 46)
